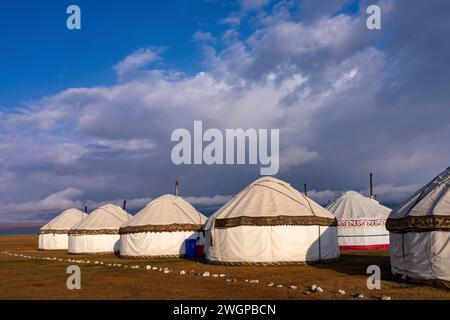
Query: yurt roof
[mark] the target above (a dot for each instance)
(270, 201)
(106, 219)
(65, 221)
(426, 210)
(353, 205)
(167, 213)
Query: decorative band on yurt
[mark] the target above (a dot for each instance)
(419, 223)
(49, 231)
(275, 221)
(362, 223)
(174, 227)
(77, 232)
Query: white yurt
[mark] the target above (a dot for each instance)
(161, 228)
(420, 234)
(99, 232)
(55, 234)
(361, 222)
(270, 222)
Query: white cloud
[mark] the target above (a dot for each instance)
(32, 116)
(393, 193)
(209, 200)
(135, 61)
(201, 36)
(58, 201)
(323, 197)
(132, 204)
(248, 5)
(385, 193)
(139, 203)
(230, 36)
(295, 156)
(231, 20)
(66, 153)
(127, 145)
(5, 178)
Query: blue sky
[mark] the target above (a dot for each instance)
(41, 56)
(86, 116)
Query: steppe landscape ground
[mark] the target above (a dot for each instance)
(39, 278)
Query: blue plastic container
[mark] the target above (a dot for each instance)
(191, 248)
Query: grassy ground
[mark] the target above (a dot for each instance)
(22, 278)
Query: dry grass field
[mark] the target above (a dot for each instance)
(24, 278)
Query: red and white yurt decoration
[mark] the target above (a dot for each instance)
(361, 222)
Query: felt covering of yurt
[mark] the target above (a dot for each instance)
(161, 228)
(99, 232)
(55, 234)
(361, 222)
(420, 234)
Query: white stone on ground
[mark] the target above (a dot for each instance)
(148, 267)
(280, 286)
(270, 284)
(182, 272)
(293, 287)
(342, 292)
(205, 274)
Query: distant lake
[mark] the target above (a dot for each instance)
(32, 230)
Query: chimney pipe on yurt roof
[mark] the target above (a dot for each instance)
(305, 189)
(177, 189)
(85, 209)
(124, 206)
(371, 185)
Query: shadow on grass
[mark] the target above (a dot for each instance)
(356, 264)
